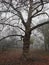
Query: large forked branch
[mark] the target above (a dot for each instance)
(11, 36)
(20, 15)
(12, 26)
(39, 25)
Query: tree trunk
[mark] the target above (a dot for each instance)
(45, 41)
(45, 47)
(26, 45)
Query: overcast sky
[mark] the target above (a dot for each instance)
(35, 20)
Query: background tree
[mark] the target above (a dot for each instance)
(45, 30)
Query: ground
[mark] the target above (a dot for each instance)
(13, 57)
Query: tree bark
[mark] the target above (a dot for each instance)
(46, 42)
(26, 44)
(45, 46)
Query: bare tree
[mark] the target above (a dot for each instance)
(33, 9)
(45, 31)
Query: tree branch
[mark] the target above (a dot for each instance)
(36, 8)
(10, 36)
(8, 18)
(40, 14)
(12, 26)
(20, 15)
(39, 25)
(37, 11)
